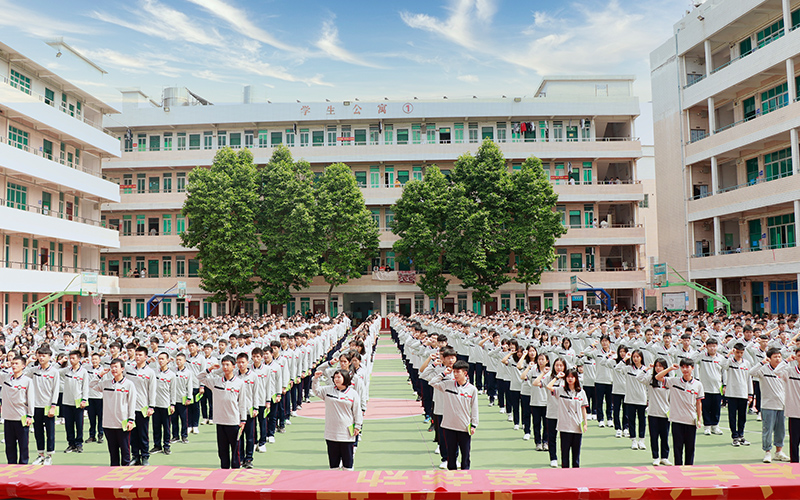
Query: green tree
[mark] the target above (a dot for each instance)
(420, 217)
(534, 228)
(286, 223)
(221, 209)
(478, 217)
(348, 236)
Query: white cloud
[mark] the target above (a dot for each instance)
(458, 28)
(261, 68)
(156, 19)
(36, 23)
(240, 21)
(468, 78)
(330, 45)
(142, 63)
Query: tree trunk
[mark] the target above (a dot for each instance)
(330, 310)
(526, 307)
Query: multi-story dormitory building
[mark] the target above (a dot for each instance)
(725, 92)
(51, 188)
(582, 128)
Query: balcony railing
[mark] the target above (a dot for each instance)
(48, 156)
(50, 102)
(32, 266)
(752, 182)
(51, 213)
(759, 248)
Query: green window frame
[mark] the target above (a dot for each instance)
(167, 182)
(770, 33)
(49, 97)
(374, 177)
(16, 196)
(416, 133)
(276, 138)
(166, 267)
(376, 216)
(774, 98)
(458, 133)
(388, 134)
(166, 224)
(194, 141)
(575, 219)
(20, 81)
(180, 224)
(263, 138)
(778, 164)
(389, 217)
(236, 140)
(402, 136)
(473, 132)
(361, 178)
(416, 173)
(561, 259)
(318, 138)
(180, 179)
(781, 231)
(126, 225)
(18, 138)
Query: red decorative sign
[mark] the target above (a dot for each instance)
(731, 482)
(407, 277)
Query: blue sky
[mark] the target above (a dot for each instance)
(314, 50)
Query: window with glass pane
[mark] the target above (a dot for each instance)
(505, 301)
(770, 33)
(20, 81)
(575, 218)
(141, 142)
(458, 133)
(49, 97)
(276, 138)
(487, 133)
(562, 259)
(167, 141)
(374, 135)
(181, 139)
(318, 138)
(590, 258)
(774, 98)
(140, 225)
(416, 133)
(473, 132)
(222, 139)
(416, 173)
(402, 136)
(16, 196)
(180, 178)
(501, 131)
(402, 177)
(388, 134)
(376, 216)
(360, 136)
(154, 184)
(389, 216)
(587, 172)
(180, 224)
(180, 266)
(290, 137)
(303, 137)
(194, 268)
(167, 224)
(236, 140)
(155, 143)
(263, 138)
(558, 131)
(126, 225)
(331, 131)
(562, 212)
(167, 182)
(374, 177)
(390, 260)
(778, 164)
(194, 141)
(141, 180)
(389, 176)
(781, 231)
(586, 131)
(361, 179)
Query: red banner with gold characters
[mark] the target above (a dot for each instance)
(731, 482)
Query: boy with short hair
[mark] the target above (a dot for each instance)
(773, 393)
(685, 409)
(17, 410)
(460, 412)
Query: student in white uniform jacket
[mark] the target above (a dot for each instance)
(343, 417)
(460, 412)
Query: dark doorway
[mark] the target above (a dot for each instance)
(535, 303)
(405, 307)
(319, 306)
(113, 310)
(194, 308)
(491, 307)
(276, 309)
(449, 305)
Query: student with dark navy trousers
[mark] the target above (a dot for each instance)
(17, 411)
(230, 409)
(685, 409)
(460, 416)
(76, 397)
(144, 378)
(119, 410)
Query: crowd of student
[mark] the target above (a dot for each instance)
(249, 377)
(552, 373)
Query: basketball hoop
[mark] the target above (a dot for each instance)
(188, 298)
(97, 298)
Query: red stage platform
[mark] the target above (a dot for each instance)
(776, 481)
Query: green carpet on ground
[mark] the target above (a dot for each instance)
(405, 443)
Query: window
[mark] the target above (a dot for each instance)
(587, 172)
(18, 138)
(588, 215)
(154, 184)
(473, 132)
(360, 136)
(361, 179)
(180, 224)
(248, 139)
(781, 231)
(576, 261)
(402, 177)
(140, 225)
(390, 260)
(141, 142)
(416, 173)
(752, 170)
(305, 305)
(774, 98)
(155, 143)
(572, 133)
(180, 177)
(562, 259)
(575, 219)
(331, 135)
(303, 137)
(389, 176)
(318, 138)
(505, 301)
(402, 136)
(166, 307)
(16, 196)
(374, 135)
(181, 141)
(167, 182)
(290, 137)
(462, 302)
(745, 47)
(222, 139)
(374, 177)
(152, 268)
(487, 133)
(558, 131)
(180, 266)
(778, 164)
(562, 211)
(263, 138)
(388, 134)
(167, 141)
(416, 133)
(769, 34)
(783, 297)
(141, 180)
(276, 138)
(20, 81)
(586, 130)
(501, 131)
(590, 258)
(194, 268)
(167, 224)
(49, 97)
(419, 302)
(389, 218)
(194, 141)
(236, 140)
(458, 133)
(376, 216)
(126, 225)
(645, 203)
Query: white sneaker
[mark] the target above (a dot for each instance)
(262, 448)
(288, 422)
(554, 464)
(665, 461)
(707, 430)
(619, 433)
(510, 418)
(539, 447)
(196, 430)
(48, 460)
(526, 437)
(758, 418)
(491, 403)
(744, 442)
(626, 433)
(716, 430)
(601, 424)
(437, 450)
(39, 460)
(516, 427)
(634, 444)
(443, 465)
(609, 423)
(767, 458)
(271, 439)
(656, 462)
(502, 410)
(781, 456)
(641, 445)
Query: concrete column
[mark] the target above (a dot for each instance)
(796, 216)
(719, 291)
(795, 150)
(712, 116)
(790, 81)
(787, 16)
(707, 49)
(717, 232)
(714, 175)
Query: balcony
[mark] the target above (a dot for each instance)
(47, 279)
(744, 133)
(600, 191)
(744, 197)
(618, 234)
(149, 200)
(149, 243)
(602, 148)
(49, 170)
(742, 263)
(41, 221)
(150, 286)
(34, 106)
